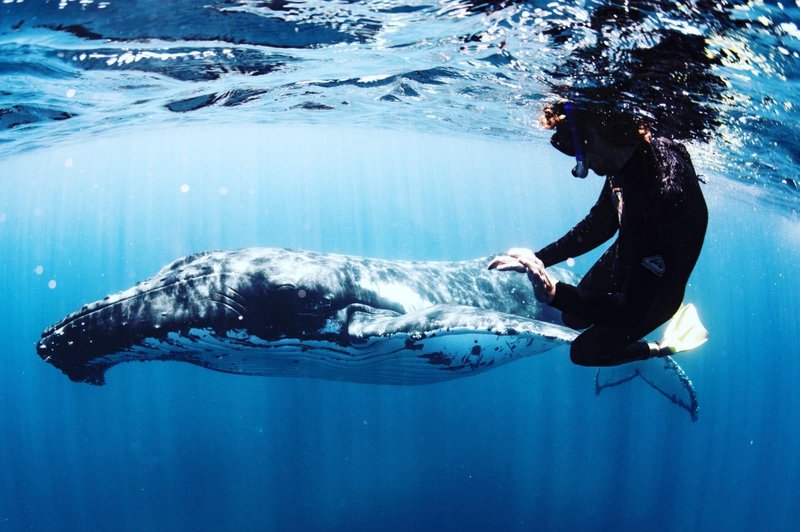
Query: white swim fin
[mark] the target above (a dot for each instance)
(685, 331)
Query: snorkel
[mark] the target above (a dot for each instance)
(581, 170)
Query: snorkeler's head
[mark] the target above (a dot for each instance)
(598, 139)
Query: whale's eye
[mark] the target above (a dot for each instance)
(292, 290)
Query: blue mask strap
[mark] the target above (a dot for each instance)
(580, 170)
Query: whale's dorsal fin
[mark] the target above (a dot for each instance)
(662, 374)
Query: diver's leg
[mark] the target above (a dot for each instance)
(607, 346)
(602, 346)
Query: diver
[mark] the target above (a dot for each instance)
(652, 198)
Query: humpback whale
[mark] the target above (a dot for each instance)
(278, 312)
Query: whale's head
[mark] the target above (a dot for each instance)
(272, 295)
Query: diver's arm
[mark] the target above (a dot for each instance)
(599, 225)
(599, 308)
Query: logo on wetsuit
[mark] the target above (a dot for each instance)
(655, 264)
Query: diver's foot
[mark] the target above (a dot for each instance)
(659, 350)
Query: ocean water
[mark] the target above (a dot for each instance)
(133, 133)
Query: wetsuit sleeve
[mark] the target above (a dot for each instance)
(599, 225)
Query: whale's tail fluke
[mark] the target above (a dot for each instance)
(662, 374)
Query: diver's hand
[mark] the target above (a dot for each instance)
(504, 263)
(524, 260)
(544, 286)
(510, 261)
(522, 253)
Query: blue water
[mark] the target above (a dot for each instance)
(95, 202)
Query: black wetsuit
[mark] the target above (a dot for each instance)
(656, 204)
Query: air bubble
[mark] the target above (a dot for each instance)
(570, 262)
(68, 163)
(301, 294)
(39, 270)
(52, 284)
(184, 188)
(70, 93)
(223, 191)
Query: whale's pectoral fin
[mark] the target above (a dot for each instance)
(365, 322)
(662, 374)
(358, 321)
(90, 374)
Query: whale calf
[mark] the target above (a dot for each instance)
(278, 312)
